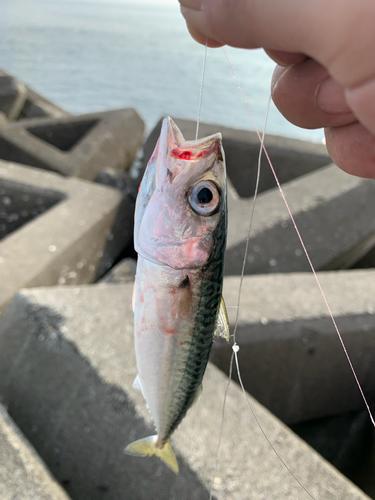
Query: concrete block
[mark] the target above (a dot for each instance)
(37, 106)
(13, 95)
(367, 261)
(292, 360)
(18, 101)
(66, 372)
(333, 211)
(23, 475)
(79, 146)
(291, 157)
(345, 440)
(123, 181)
(123, 272)
(56, 230)
(123, 226)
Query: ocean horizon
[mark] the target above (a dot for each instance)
(91, 55)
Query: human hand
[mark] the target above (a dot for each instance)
(326, 68)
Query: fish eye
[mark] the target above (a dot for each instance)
(204, 198)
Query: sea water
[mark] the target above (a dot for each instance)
(90, 55)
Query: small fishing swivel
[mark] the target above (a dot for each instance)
(235, 347)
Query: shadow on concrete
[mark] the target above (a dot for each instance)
(21, 203)
(78, 423)
(63, 136)
(299, 371)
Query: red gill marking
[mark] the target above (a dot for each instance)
(182, 155)
(189, 155)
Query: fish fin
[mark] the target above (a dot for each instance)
(149, 446)
(137, 384)
(222, 328)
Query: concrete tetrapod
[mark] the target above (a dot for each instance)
(294, 363)
(23, 475)
(18, 101)
(80, 146)
(333, 211)
(57, 230)
(66, 369)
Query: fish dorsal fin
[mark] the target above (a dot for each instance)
(222, 328)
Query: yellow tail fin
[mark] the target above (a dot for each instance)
(149, 446)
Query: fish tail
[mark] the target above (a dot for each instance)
(151, 446)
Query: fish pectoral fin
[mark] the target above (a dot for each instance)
(222, 328)
(150, 446)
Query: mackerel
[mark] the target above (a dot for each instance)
(180, 237)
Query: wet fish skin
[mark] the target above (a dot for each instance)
(179, 277)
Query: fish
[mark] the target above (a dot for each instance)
(180, 230)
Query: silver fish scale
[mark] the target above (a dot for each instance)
(210, 287)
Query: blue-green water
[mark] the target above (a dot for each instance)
(93, 55)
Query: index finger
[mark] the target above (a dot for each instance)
(339, 34)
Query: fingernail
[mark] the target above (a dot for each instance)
(330, 97)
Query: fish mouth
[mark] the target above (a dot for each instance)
(173, 147)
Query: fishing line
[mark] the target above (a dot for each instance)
(307, 256)
(201, 92)
(221, 424)
(235, 347)
(235, 352)
(251, 221)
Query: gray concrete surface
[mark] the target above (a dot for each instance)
(347, 442)
(334, 214)
(291, 157)
(79, 146)
(13, 96)
(18, 101)
(66, 372)
(56, 230)
(23, 475)
(292, 360)
(123, 272)
(127, 185)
